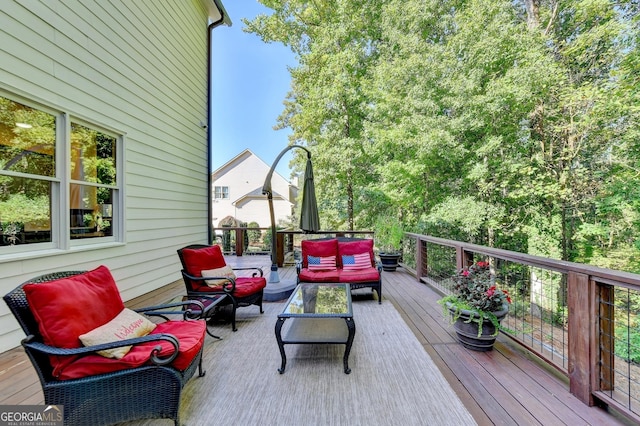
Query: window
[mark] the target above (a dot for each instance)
(58, 183)
(221, 192)
(93, 182)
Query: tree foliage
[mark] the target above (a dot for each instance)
(509, 123)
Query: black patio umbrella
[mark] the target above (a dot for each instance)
(309, 220)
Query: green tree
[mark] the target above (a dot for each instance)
(325, 109)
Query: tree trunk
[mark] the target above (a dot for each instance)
(533, 13)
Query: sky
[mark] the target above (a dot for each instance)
(249, 83)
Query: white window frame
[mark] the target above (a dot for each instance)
(60, 188)
(222, 192)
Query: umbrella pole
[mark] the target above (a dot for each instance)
(274, 277)
(266, 189)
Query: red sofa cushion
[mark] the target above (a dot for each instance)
(198, 260)
(319, 276)
(355, 247)
(189, 333)
(359, 276)
(318, 248)
(245, 286)
(68, 307)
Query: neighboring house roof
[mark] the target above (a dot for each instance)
(256, 194)
(220, 171)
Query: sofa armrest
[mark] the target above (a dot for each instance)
(187, 312)
(258, 273)
(229, 285)
(28, 343)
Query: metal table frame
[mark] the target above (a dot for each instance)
(315, 326)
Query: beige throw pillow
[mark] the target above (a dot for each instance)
(126, 325)
(225, 271)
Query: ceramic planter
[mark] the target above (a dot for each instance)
(389, 261)
(466, 327)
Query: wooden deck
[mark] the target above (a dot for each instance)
(504, 387)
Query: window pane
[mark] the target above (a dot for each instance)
(27, 139)
(25, 211)
(93, 160)
(93, 156)
(91, 213)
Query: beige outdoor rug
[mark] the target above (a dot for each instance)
(392, 382)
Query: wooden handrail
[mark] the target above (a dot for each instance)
(626, 279)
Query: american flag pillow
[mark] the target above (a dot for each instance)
(318, 263)
(356, 261)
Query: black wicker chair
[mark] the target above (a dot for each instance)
(145, 392)
(242, 291)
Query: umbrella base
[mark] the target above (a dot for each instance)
(274, 292)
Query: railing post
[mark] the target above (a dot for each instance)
(280, 248)
(289, 243)
(582, 334)
(239, 241)
(421, 258)
(463, 259)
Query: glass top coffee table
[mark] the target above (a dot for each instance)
(319, 313)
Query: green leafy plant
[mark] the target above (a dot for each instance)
(475, 291)
(388, 234)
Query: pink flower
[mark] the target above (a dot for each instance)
(506, 293)
(465, 273)
(491, 291)
(482, 264)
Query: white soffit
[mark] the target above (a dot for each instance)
(217, 13)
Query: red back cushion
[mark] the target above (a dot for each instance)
(68, 307)
(350, 248)
(318, 248)
(198, 260)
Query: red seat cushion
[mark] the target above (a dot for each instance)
(350, 248)
(318, 248)
(198, 260)
(359, 276)
(319, 276)
(245, 286)
(190, 334)
(68, 307)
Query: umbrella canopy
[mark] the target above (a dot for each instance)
(309, 220)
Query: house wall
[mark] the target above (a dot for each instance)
(245, 175)
(139, 67)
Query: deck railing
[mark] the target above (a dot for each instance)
(580, 319)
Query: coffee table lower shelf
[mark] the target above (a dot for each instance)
(314, 331)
